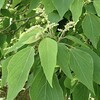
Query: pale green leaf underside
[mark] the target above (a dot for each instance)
(26, 38)
(48, 54)
(18, 71)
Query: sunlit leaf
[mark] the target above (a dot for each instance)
(62, 6)
(18, 70)
(48, 55)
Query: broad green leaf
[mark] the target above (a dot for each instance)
(49, 7)
(18, 70)
(54, 17)
(62, 6)
(76, 9)
(82, 65)
(48, 54)
(33, 4)
(91, 28)
(97, 6)
(15, 2)
(76, 40)
(63, 58)
(2, 3)
(90, 8)
(26, 38)
(4, 71)
(96, 60)
(41, 90)
(80, 92)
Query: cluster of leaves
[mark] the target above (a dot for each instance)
(51, 48)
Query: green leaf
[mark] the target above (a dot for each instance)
(15, 2)
(90, 8)
(41, 90)
(76, 40)
(97, 91)
(2, 3)
(63, 59)
(5, 12)
(97, 6)
(62, 6)
(54, 17)
(82, 64)
(91, 28)
(67, 83)
(48, 54)
(33, 4)
(49, 7)
(80, 92)
(18, 70)
(26, 38)
(4, 71)
(76, 9)
(96, 60)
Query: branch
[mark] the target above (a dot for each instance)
(20, 21)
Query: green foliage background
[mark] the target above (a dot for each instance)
(50, 49)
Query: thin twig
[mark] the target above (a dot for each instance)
(63, 32)
(20, 21)
(27, 18)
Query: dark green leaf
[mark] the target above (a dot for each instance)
(76, 40)
(33, 4)
(91, 28)
(41, 90)
(90, 8)
(80, 92)
(97, 91)
(63, 59)
(15, 2)
(96, 60)
(82, 64)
